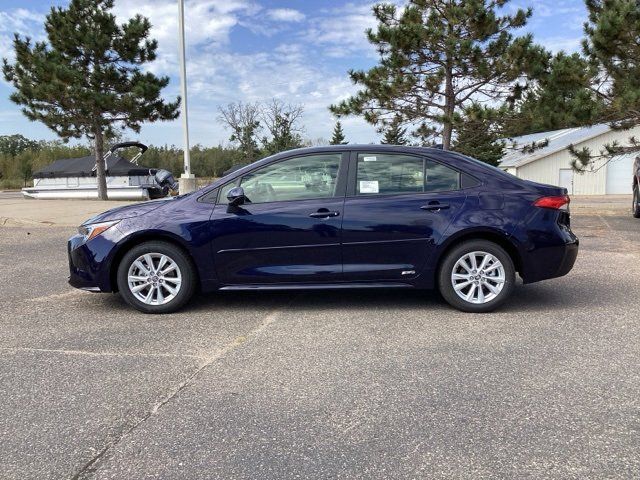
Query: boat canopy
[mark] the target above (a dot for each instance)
(85, 167)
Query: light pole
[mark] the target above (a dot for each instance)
(187, 180)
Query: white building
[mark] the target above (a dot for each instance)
(552, 163)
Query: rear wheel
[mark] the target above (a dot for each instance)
(476, 276)
(636, 201)
(156, 277)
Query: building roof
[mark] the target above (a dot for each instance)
(558, 140)
(83, 167)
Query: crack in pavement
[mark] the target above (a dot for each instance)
(58, 296)
(91, 466)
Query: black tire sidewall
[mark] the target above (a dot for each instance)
(636, 202)
(187, 270)
(446, 267)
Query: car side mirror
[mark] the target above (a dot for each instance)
(236, 196)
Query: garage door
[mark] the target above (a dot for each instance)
(619, 175)
(566, 179)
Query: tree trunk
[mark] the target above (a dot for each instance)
(101, 176)
(449, 105)
(446, 135)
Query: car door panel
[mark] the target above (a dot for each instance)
(278, 242)
(389, 234)
(392, 237)
(291, 241)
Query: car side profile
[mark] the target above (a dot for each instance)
(344, 216)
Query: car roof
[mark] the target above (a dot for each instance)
(359, 147)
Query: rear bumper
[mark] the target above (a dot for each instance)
(551, 262)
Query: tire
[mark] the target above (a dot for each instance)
(636, 202)
(170, 291)
(489, 291)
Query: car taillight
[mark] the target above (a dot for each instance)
(560, 202)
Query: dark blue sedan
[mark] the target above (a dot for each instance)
(344, 216)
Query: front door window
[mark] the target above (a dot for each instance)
(300, 178)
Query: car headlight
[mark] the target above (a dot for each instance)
(92, 230)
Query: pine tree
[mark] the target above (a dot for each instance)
(394, 133)
(479, 134)
(338, 137)
(612, 46)
(435, 57)
(87, 80)
(560, 96)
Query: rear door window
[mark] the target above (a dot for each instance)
(388, 174)
(384, 174)
(440, 178)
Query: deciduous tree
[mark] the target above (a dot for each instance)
(243, 119)
(282, 121)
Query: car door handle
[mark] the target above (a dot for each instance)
(324, 213)
(435, 206)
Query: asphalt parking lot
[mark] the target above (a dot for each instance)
(323, 384)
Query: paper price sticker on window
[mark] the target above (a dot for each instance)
(369, 186)
(369, 159)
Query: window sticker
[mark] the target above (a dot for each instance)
(369, 186)
(369, 159)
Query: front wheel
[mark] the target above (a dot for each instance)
(156, 277)
(476, 276)
(636, 201)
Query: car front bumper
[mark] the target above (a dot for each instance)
(89, 263)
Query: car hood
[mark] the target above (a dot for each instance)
(129, 211)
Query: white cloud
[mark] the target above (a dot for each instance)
(555, 44)
(341, 31)
(218, 75)
(207, 22)
(285, 15)
(285, 73)
(22, 21)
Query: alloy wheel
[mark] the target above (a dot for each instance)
(478, 277)
(154, 278)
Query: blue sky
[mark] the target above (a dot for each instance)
(252, 50)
